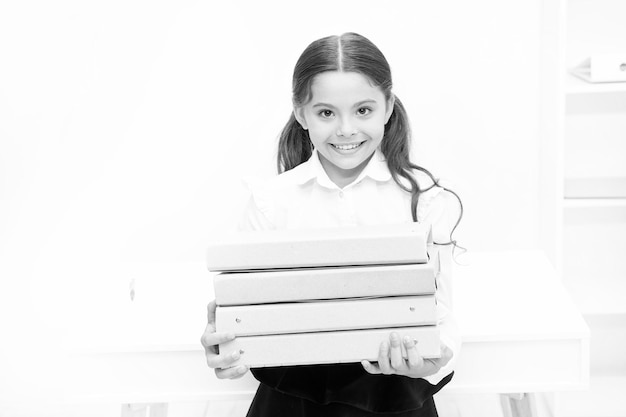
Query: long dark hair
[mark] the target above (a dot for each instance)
(352, 52)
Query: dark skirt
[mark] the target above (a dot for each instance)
(343, 390)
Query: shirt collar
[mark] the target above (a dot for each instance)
(375, 169)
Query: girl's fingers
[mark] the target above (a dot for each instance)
(211, 339)
(414, 359)
(395, 354)
(446, 355)
(211, 307)
(432, 366)
(383, 358)
(371, 368)
(241, 371)
(223, 360)
(222, 363)
(231, 373)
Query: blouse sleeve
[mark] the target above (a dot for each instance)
(441, 209)
(256, 215)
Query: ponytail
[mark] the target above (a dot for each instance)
(396, 148)
(294, 146)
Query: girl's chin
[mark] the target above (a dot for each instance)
(348, 163)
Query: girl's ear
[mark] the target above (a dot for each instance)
(298, 112)
(390, 104)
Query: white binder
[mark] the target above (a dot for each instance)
(326, 347)
(325, 283)
(357, 245)
(327, 315)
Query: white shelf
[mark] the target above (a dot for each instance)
(596, 187)
(594, 202)
(592, 142)
(574, 85)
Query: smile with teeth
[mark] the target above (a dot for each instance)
(347, 147)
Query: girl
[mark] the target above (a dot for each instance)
(343, 159)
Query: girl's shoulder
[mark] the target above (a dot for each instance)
(277, 185)
(270, 197)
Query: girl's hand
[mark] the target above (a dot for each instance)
(390, 360)
(222, 363)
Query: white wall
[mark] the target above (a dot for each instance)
(125, 127)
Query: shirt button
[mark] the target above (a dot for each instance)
(340, 194)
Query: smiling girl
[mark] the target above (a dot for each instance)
(343, 159)
(345, 120)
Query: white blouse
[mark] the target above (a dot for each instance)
(305, 197)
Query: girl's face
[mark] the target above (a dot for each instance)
(346, 119)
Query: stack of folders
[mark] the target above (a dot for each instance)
(325, 295)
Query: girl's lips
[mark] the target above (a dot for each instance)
(347, 146)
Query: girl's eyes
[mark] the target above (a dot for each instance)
(362, 111)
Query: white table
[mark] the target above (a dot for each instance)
(521, 331)
(521, 334)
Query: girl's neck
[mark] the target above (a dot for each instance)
(342, 177)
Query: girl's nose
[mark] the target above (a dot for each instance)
(346, 129)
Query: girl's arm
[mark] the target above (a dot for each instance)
(440, 209)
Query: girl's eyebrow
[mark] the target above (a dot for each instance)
(359, 104)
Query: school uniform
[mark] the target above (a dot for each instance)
(305, 197)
